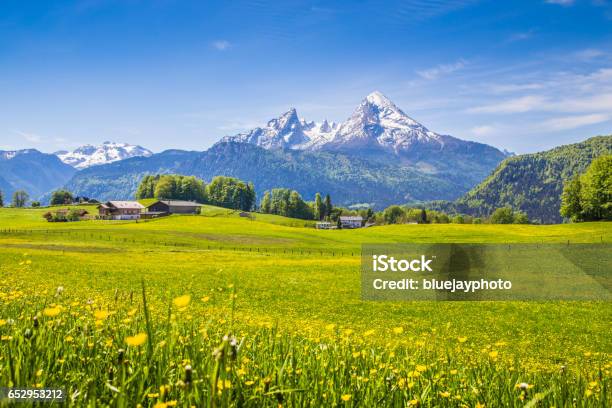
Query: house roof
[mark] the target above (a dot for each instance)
(127, 205)
(180, 203)
(351, 218)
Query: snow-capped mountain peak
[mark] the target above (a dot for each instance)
(108, 152)
(376, 125)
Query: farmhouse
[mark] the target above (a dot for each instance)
(351, 222)
(174, 207)
(120, 210)
(323, 225)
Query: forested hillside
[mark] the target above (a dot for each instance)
(533, 183)
(350, 180)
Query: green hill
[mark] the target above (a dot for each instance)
(533, 183)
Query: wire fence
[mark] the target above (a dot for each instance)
(193, 243)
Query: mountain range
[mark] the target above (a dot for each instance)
(377, 157)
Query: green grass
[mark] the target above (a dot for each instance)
(291, 295)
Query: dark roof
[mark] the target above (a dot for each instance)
(180, 203)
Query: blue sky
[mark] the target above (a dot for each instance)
(520, 75)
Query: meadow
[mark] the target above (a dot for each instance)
(220, 310)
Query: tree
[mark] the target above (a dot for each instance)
(520, 218)
(1, 199)
(266, 203)
(35, 204)
(328, 205)
(596, 190)
(423, 217)
(589, 197)
(20, 198)
(60, 197)
(458, 219)
(318, 208)
(570, 200)
(230, 192)
(393, 214)
(503, 215)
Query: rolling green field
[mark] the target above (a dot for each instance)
(267, 312)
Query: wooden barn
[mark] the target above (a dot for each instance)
(120, 210)
(174, 207)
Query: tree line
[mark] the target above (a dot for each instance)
(228, 192)
(289, 203)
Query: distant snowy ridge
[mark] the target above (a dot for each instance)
(108, 152)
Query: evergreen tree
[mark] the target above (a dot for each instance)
(328, 205)
(318, 208)
(1, 199)
(423, 217)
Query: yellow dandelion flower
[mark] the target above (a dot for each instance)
(132, 312)
(136, 340)
(205, 299)
(52, 311)
(182, 301)
(160, 405)
(461, 339)
(2, 322)
(330, 327)
(68, 339)
(153, 395)
(171, 403)
(421, 368)
(369, 333)
(249, 383)
(398, 330)
(493, 354)
(346, 397)
(453, 372)
(356, 354)
(101, 314)
(445, 394)
(413, 403)
(588, 393)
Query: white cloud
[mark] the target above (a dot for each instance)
(484, 130)
(516, 105)
(509, 88)
(572, 122)
(561, 2)
(442, 69)
(521, 36)
(221, 45)
(29, 137)
(589, 54)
